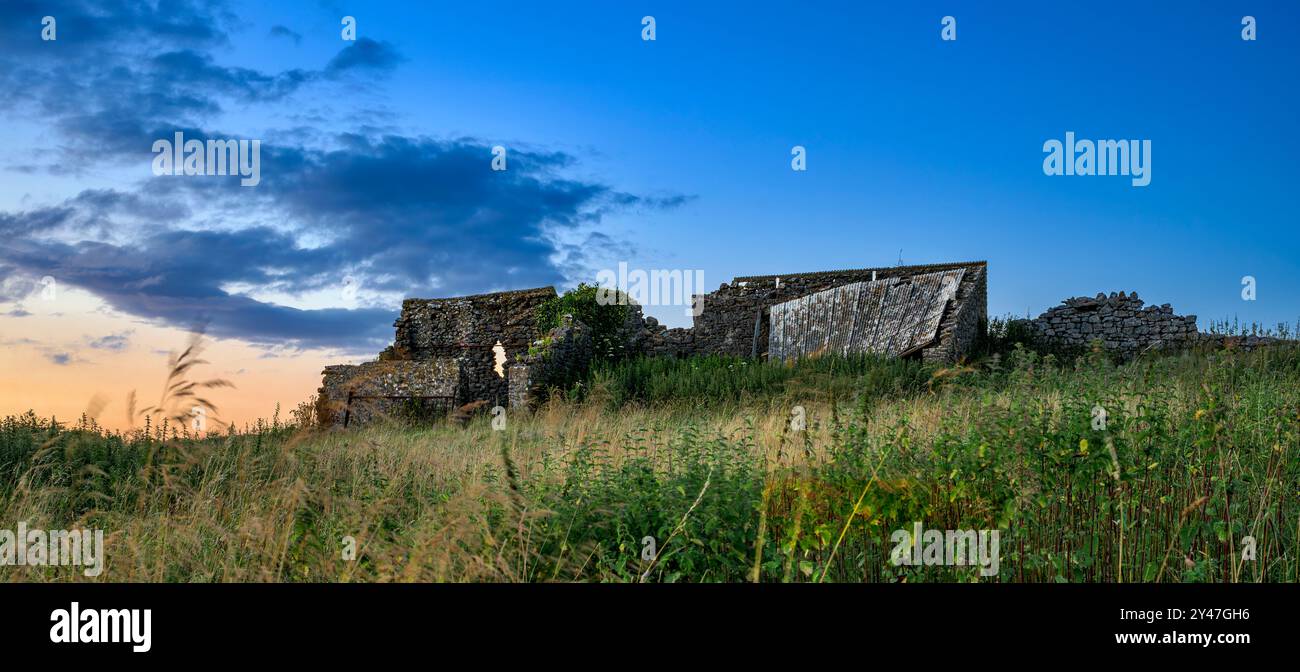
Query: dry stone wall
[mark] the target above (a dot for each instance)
(1246, 342)
(558, 360)
(1120, 322)
(963, 323)
(664, 342)
(361, 393)
(467, 328)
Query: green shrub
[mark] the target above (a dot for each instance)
(606, 321)
(1000, 335)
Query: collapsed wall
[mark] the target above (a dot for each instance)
(360, 393)
(561, 359)
(467, 329)
(1118, 321)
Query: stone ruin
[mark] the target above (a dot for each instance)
(485, 348)
(446, 353)
(453, 351)
(736, 319)
(563, 361)
(482, 333)
(1123, 325)
(1119, 322)
(362, 393)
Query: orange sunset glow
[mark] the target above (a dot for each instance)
(61, 353)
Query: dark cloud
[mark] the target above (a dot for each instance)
(176, 277)
(176, 75)
(401, 215)
(285, 32)
(364, 54)
(59, 358)
(124, 73)
(91, 26)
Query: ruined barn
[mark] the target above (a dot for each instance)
(453, 351)
(447, 352)
(894, 317)
(782, 317)
(482, 333)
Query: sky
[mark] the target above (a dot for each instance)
(376, 179)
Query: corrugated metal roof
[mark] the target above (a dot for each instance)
(891, 316)
(893, 270)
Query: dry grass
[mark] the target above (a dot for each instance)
(437, 503)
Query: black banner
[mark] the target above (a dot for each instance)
(336, 622)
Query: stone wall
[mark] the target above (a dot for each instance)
(360, 393)
(963, 323)
(558, 360)
(1119, 321)
(655, 340)
(467, 328)
(1245, 342)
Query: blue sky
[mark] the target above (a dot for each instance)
(666, 154)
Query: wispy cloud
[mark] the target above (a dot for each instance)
(286, 33)
(114, 342)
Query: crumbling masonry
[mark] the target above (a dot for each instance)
(1124, 326)
(1118, 321)
(453, 351)
(445, 354)
(450, 352)
(447, 351)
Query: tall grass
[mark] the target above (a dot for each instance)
(1199, 451)
(713, 381)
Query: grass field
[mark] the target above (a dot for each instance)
(738, 471)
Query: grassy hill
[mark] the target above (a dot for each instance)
(738, 471)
